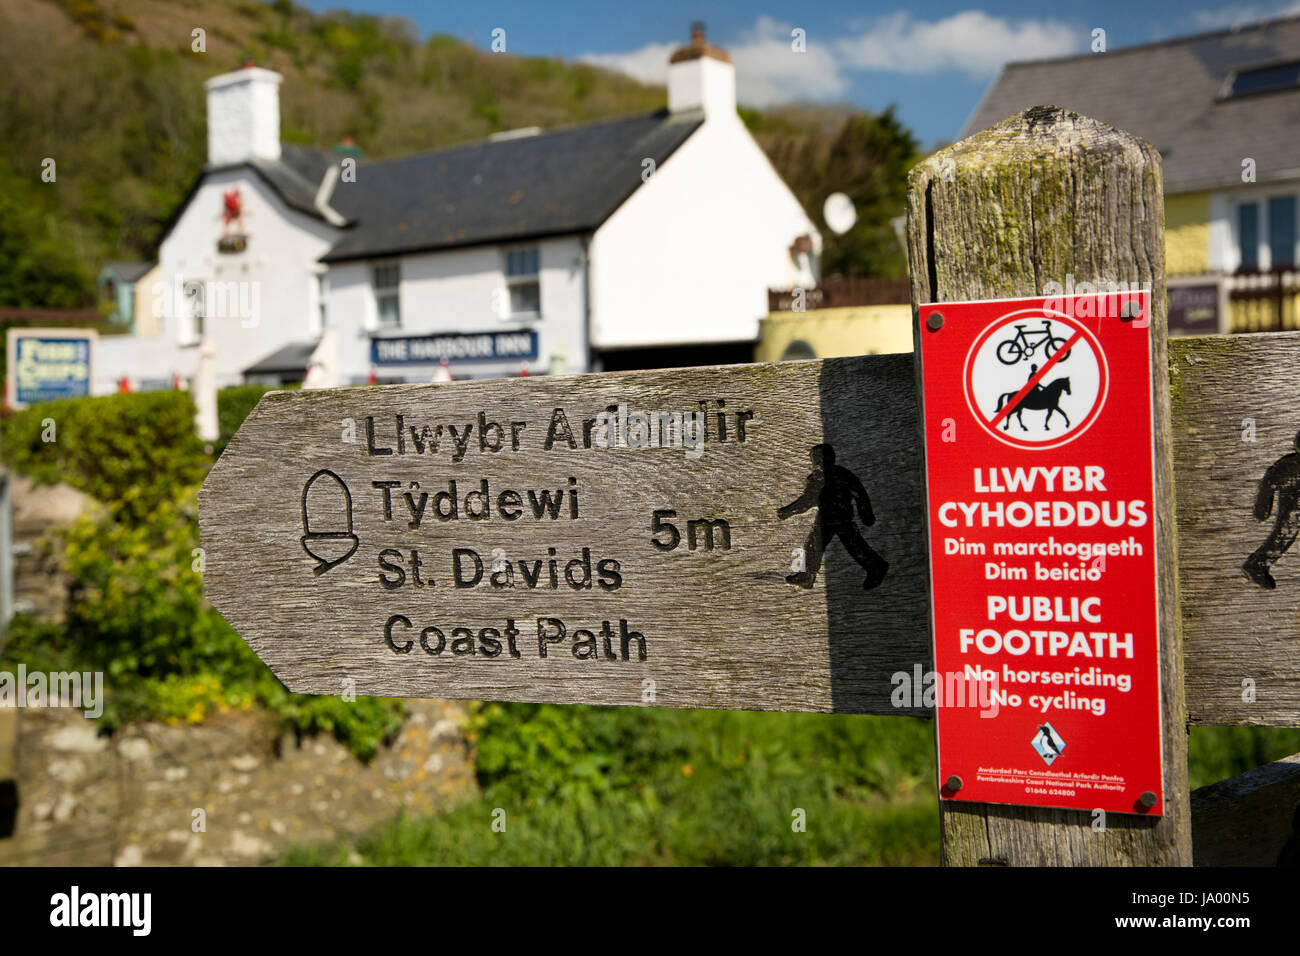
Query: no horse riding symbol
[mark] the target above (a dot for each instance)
(1035, 378)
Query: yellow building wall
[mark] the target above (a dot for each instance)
(145, 322)
(866, 330)
(1260, 315)
(1187, 234)
(835, 333)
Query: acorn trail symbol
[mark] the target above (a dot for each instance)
(331, 510)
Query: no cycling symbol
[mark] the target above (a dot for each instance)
(1035, 379)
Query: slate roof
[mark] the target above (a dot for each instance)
(558, 182)
(1168, 93)
(288, 358)
(296, 176)
(129, 271)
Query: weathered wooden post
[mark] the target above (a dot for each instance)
(1043, 201)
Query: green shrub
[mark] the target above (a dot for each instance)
(136, 603)
(131, 452)
(1217, 753)
(233, 406)
(136, 612)
(621, 786)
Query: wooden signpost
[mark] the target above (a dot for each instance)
(652, 537)
(754, 537)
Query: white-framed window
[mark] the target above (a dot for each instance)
(386, 280)
(195, 309)
(523, 280)
(1269, 78)
(1266, 232)
(322, 293)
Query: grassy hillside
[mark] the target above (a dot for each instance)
(112, 92)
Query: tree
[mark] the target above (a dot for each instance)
(868, 161)
(37, 269)
(824, 150)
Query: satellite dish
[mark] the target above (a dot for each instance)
(839, 213)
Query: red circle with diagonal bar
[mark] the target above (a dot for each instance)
(1035, 379)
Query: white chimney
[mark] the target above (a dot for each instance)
(243, 116)
(700, 76)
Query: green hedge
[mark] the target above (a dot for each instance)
(132, 452)
(135, 605)
(136, 612)
(233, 406)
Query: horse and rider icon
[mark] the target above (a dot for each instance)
(1281, 483)
(836, 493)
(1039, 398)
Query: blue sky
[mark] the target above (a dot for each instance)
(935, 60)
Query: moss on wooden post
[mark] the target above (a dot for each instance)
(1046, 200)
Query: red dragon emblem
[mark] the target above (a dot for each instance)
(232, 210)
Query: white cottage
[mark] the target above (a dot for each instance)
(637, 242)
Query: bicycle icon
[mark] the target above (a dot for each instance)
(1024, 345)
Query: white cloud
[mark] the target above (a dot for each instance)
(769, 71)
(1237, 14)
(767, 68)
(649, 64)
(972, 41)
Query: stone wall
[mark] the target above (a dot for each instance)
(39, 511)
(72, 796)
(131, 798)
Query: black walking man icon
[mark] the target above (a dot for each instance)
(835, 492)
(1280, 481)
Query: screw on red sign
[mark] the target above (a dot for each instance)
(1040, 481)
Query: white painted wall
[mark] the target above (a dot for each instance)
(687, 259)
(271, 287)
(1224, 256)
(140, 358)
(459, 291)
(1225, 239)
(690, 256)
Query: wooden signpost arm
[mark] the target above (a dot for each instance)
(1250, 820)
(1046, 197)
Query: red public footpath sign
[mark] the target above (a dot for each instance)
(1040, 478)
